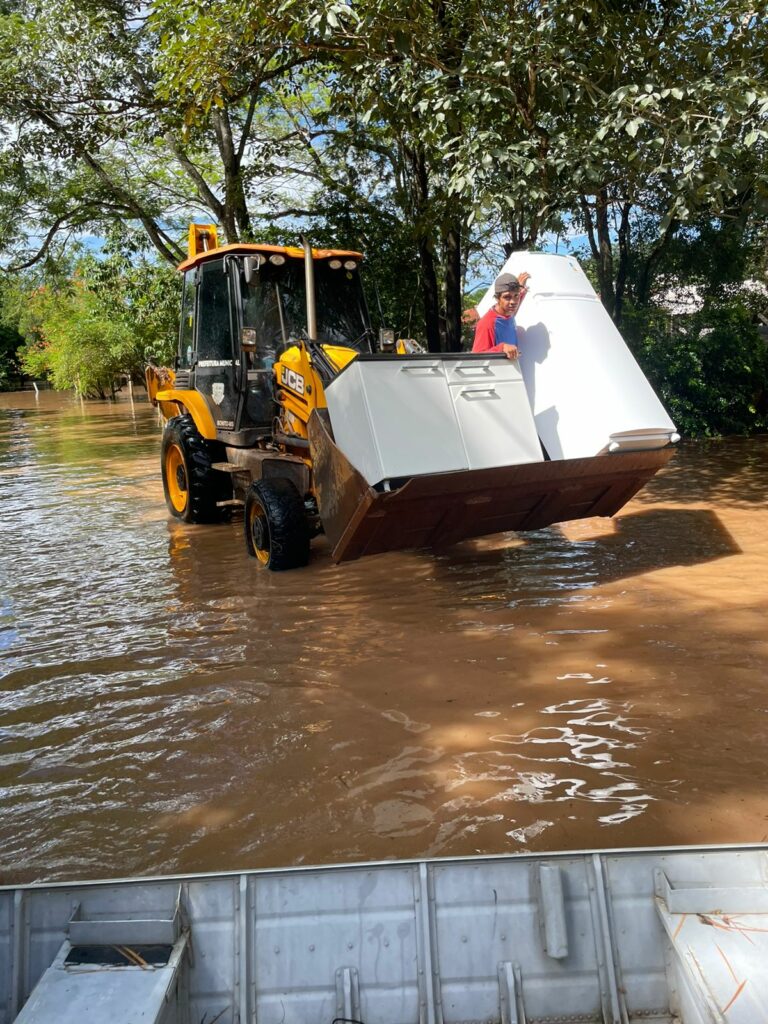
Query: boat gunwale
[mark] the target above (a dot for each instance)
(492, 858)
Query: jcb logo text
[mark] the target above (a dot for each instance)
(292, 380)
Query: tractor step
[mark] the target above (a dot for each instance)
(230, 503)
(226, 467)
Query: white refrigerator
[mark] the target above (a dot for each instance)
(587, 392)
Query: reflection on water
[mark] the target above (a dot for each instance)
(165, 705)
(593, 738)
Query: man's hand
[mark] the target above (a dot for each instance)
(510, 351)
(469, 316)
(523, 278)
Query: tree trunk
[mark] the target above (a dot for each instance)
(236, 220)
(623, 268)
(429, 294)
(598, 233)
(605, 251)
(522, 233)
(647, 267)
(452, 252)
(429, 289)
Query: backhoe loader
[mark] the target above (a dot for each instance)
(283, 402)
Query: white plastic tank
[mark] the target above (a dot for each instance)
(587, 392)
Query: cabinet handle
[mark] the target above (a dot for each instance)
(479, 371)
(424, 371)
(471, 393)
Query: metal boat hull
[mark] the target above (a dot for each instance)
(663, 935)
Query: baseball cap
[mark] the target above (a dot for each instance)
(506, 283)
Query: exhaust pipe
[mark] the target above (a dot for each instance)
(324, 365)
(309, 274)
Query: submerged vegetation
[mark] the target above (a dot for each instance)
(435, 138)
(97, 321)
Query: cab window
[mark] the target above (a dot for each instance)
(187, 327)
(214, 339)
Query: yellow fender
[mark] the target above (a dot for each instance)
(173, 403)
(341, 354)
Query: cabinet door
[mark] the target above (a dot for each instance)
(412, 416)
(496, 424)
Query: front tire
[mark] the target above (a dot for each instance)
(192, 486)
(276, 529)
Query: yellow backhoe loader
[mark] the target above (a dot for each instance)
(270, 337)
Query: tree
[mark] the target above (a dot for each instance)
(101, 321)
(682, 136)
(445, 119)
(710, 368)
(349, 122)
(516, 114)
(91, 142)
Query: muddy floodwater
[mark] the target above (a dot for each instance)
(166, 705)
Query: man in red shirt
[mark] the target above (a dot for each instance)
(496, 330)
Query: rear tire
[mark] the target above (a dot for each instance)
(275, 523)
(192, 487)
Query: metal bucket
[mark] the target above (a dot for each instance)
(438, 510)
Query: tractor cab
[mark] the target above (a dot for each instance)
(246, 308)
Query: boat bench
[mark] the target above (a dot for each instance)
(718, 940)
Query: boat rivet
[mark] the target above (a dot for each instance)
(277, 949)
(350, 945)
(463, 938)
(312, 948)
(386, 942)
(503, 937)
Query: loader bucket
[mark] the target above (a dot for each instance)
(437, 510)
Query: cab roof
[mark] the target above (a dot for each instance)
(292, 252)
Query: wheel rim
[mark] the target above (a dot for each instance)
(258, 529)
(176, 478)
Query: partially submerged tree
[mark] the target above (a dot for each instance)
(98, 320)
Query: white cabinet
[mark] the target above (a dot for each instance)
(397, 417)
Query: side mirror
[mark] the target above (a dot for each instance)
(248, 339)
(251, 266)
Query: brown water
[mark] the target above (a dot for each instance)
(167, 706)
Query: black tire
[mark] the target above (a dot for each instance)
(275, 523)
(192, 487)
